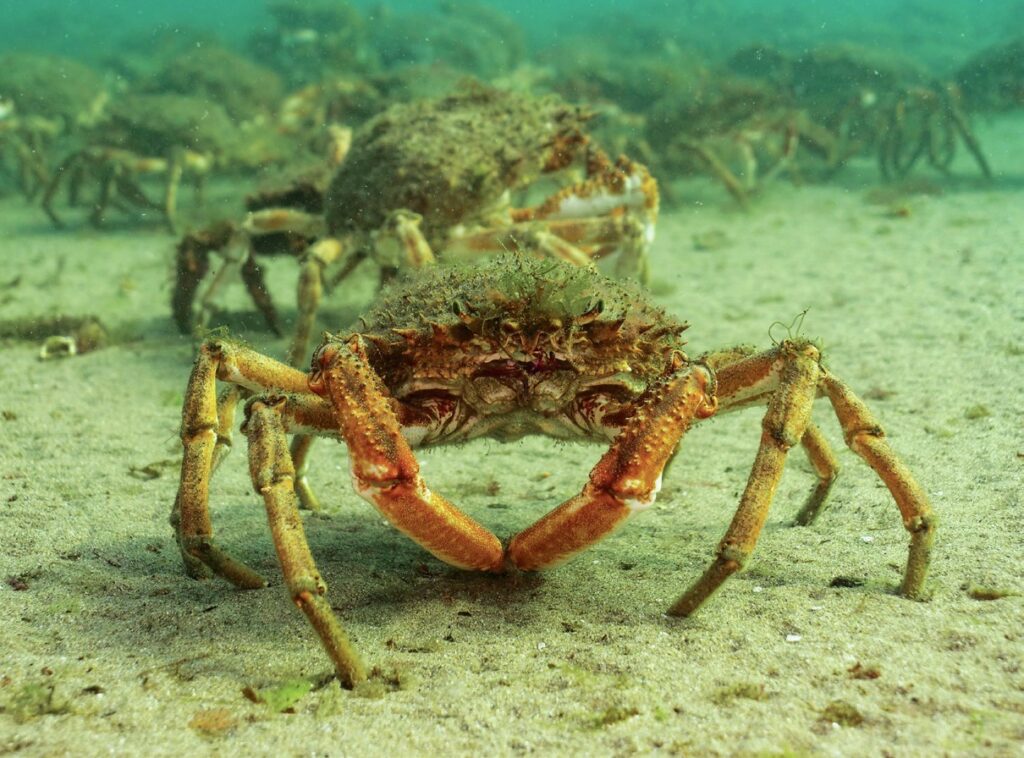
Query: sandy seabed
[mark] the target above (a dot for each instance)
(107, 648)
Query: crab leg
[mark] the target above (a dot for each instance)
(746, 379)
(625, 480)
(384, 469)
(192, 263)
(70, 167)
(865, 437)
(202, 438)
(256, 286)
(273, 476)
(318, 257)
(784, 424)
(174, 172)
(790, 377)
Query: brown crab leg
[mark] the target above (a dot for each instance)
(784, 424)
(959, 119)
(318, 257)
(866, 438)
(70, 166)
(204, 444)
(273, 476)
(627, 477)
(384, 469)
(746, 379)
(174, 172)
(791, 376)
(106, 192)
(825, 466)
(719, 170)
(192, 262)
(252, 276)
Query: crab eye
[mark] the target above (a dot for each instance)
(594, 309)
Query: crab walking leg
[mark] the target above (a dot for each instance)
(719, 170)
(226, 405)
(866, 438)
(384, 469)
(273, 476)
(300, 448)
(204, 446)
(959, 119)
(192, 262)
(175, 168)
(311, 286)
(106, 192)
(400, 242)
(825, 466)
(746, 378)
(70, 168)
(784, 425)
(625, 480)
(255, 285)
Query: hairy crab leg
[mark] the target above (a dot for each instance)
(317, 258)
(384, 469)
(301, 446)
(790, 377)
(747, 379)
(204, 445)
(627, 477)
(784, 424)
(192, 262)
(256, 286)
(273, 476)
(865, 437)
(825, 465)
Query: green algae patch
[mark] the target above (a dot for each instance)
(614, 714)
(280, 698)
(842, 713)
(33, 700)
(983, 592)
(739, 691)
(382, 681)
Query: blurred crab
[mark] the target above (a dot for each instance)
(24, 141)
(926, 121)
(740, 130)
(166, 136)
(42, 99)
(512, 347)
(870, 102)
(437, 176)
(749, 155)
(993, 80)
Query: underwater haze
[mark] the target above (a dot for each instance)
(940, 32)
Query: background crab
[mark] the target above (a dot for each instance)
(437, 175)
(167, 136)
(517, 346)
(43, 98)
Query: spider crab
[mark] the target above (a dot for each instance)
(166, 136)
(869, 101)
(435, 177)
(514, 346)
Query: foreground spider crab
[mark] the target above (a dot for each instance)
(514, 347)
(436, 176)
